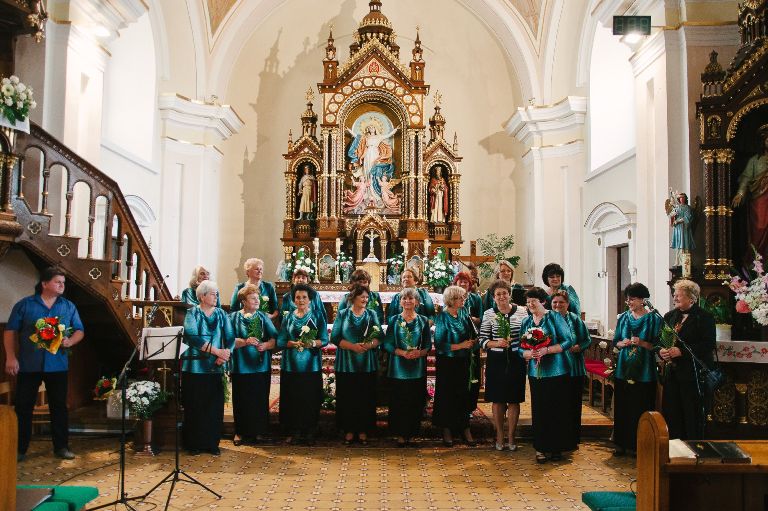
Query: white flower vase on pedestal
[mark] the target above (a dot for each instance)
(9, 129)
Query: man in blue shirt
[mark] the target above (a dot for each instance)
(33, 365)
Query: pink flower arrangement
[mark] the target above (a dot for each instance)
(752, 296)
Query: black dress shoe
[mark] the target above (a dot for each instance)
(193, 452)
(447, 443)
(64, 453)
(215, 451)
(237, 441)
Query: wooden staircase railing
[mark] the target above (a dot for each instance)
(67, 212)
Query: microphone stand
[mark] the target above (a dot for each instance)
(121, 381)
(696, 361)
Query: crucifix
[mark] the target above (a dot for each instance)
(371, 235)
(473, 258)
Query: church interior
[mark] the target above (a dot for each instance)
(170, 139)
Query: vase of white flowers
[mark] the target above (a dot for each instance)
(16, 101)
(144, 398)
(438, 272)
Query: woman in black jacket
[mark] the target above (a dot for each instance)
(682, 398)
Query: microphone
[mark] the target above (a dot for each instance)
(647, 303)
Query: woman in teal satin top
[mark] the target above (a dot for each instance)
(375, 304)
(356, 334)
(426, 308)
(473, 306)
(254, 270)
(408, 341)
(634, 380)
(575, 355)
(301, 379)
(287, 306)
(553, 276)
(455, 342)
(189, 295)
(209, 334)
(549, 376)
(251, 364)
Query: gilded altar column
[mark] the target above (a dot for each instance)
(710, 261)
(454, 197)
(412, 173)
(290, 196)
(724, 158)
(333, 162)
(422, 184)
(322, 197)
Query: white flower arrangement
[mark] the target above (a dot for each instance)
(17, 99)
(437, 271)
(144, 398)
(752, 295)
(301, 262)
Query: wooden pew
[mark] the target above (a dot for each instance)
(666, 486)
(8, 426)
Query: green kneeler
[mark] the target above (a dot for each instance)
(73, 497)
(610, 500)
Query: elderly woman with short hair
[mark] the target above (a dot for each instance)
(287, 306)
(189, 295)
(575, 354)
(505, 367)
(209, 334)
(409, 278)
(553, 276)
(301, 377)
(363, 278)
(506, 272)
(356, 334)
(251, 367)
(408, 341)
(455, 342)
(682, 399)
(549, 377)
(254, 270)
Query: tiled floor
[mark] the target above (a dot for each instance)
(332, 477)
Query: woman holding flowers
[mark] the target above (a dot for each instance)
(682, 400)
(581, 341)
(505, 367)
(363, 278)
(209, 334)
(254, 270)
(356, 334)
(408, 340)
(636, 335)
(545, 336)
(301, 276)
(455, 341)
(303, 334)
(409, 278)
(189, 295)
(251, 367)
(473, 306)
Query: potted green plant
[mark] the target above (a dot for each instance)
(721, 311)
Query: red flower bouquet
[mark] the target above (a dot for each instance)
(49, 332)
(535, 339)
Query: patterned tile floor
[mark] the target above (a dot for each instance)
(332, 477)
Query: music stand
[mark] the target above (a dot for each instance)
(166, 344)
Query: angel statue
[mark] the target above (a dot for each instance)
(682, 219)
(389, 198)
(373, 153)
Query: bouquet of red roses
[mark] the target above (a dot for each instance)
(49, 332)
(535, 339)
(104, 388)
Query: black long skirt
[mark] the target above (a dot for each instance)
(250, 403)
(631, 400)
(577, 386)
(203, 399)
(474, 390)
(301, 396)
(406, 406)
(552, 410)
(356, 402)
(451, 393)
(682, 409)
(504, 377)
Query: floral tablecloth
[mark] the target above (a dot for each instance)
(743, 351)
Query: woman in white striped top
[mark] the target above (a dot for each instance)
(505, 367)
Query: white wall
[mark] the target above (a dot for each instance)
(611, 99)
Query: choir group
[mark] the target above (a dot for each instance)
(544, 339)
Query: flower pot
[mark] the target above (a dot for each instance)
(115, 406)
(723, 332)
(146, 438)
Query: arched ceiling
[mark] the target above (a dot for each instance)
(530, 11)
